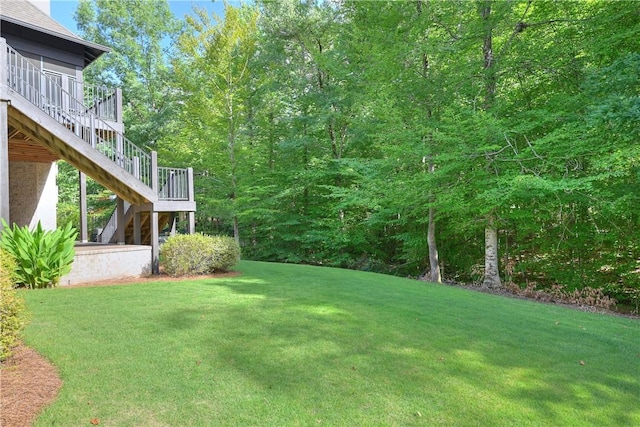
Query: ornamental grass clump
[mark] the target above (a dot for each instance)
(11, 306)
(194, 254)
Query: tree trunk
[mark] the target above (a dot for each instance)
(231, 139)
(236, 230)
(491, 272)
(434, 262)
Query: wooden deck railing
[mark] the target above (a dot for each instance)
(86, 119)
(174, 187)
(174, 183)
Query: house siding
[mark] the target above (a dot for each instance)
(42, 56)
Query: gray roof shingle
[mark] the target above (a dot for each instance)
(25, 14)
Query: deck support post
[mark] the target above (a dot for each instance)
(155, 243)
(4, 135)
(192, 222)
(153, 218)
(84, 230)
(192, 197)
(120, 225)
(4, 163)
(137, 228)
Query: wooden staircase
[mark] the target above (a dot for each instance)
(164, 219)
(34, 124)
(109, 233)
(45, 128)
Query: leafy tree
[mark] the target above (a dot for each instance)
(213, 72)
(140, 34)
(411, 137)
(307, 74)
(99, 200)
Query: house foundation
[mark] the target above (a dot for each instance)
(97, 263)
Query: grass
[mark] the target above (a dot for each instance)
(286, 345)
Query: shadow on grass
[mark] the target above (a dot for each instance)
(389, 349)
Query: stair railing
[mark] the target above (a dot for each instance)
(175, 183)
(175, 187)
(109, 229)
(100, 100)
(46, 94)
(84, 119)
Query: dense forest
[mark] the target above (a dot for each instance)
(475, 141)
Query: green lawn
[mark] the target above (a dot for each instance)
(285, 345)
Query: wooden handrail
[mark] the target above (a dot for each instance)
(86, 121)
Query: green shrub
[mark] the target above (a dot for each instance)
(191, 254)
(225, 253)
(11, 306)
(42, 256)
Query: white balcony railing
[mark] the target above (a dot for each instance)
(49, 96)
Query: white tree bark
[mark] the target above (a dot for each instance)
(491, 272)
(434, 263)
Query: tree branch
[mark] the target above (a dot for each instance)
(517, 30)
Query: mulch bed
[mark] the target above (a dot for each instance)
(28, 383)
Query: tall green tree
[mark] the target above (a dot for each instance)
(213, 71)
(306, 68)
(141, 34)
(493, 140)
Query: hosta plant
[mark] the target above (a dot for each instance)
(42, 256)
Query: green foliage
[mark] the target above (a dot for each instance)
(100, 202)
(11, 306)
(183, 255)
(8, 269)
(189, 254)
(213, 68)
(225, 253)
(327, 132)
(137, 32)
(42, 256)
